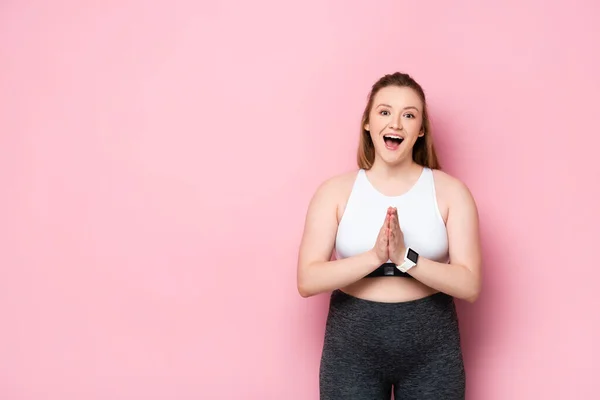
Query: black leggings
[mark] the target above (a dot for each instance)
(372, 348)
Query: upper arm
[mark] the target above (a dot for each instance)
(463, 228)
(320, 226)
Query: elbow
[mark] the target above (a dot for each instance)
(472, 287)
(471, 299)
(473, 294)
(301, 286)
(306, 282)
(304, 291)
(304, 288)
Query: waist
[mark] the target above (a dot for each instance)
(348, 304)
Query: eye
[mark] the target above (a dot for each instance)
(384, 112)
(409, 115)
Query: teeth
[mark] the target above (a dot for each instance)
(393, 137)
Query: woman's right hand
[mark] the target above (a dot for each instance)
(381, 245)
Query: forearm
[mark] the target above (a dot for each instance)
(320, 277)
(453, 279)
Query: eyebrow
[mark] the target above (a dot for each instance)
(405, 108)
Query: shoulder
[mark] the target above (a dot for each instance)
(452, 189)
(337, 186)
(332, 194)
(328, 199)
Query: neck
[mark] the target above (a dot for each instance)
(401, 170)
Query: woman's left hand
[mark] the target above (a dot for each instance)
(396, 246)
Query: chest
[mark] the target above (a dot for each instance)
(422, 225)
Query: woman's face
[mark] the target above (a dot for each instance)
(395, 123)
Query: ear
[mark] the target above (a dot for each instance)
(421, 133)
(367, 127)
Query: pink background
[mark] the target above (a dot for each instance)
(155, 175)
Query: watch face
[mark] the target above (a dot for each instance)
(412, 255)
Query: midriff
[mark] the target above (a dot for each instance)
(388, 289)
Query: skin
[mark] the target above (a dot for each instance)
(395, 110)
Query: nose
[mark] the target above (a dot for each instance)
(397, 122)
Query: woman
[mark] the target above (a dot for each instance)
(406, 241)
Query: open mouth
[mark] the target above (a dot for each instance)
(392, 141)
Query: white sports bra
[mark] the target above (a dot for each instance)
(418, 213)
